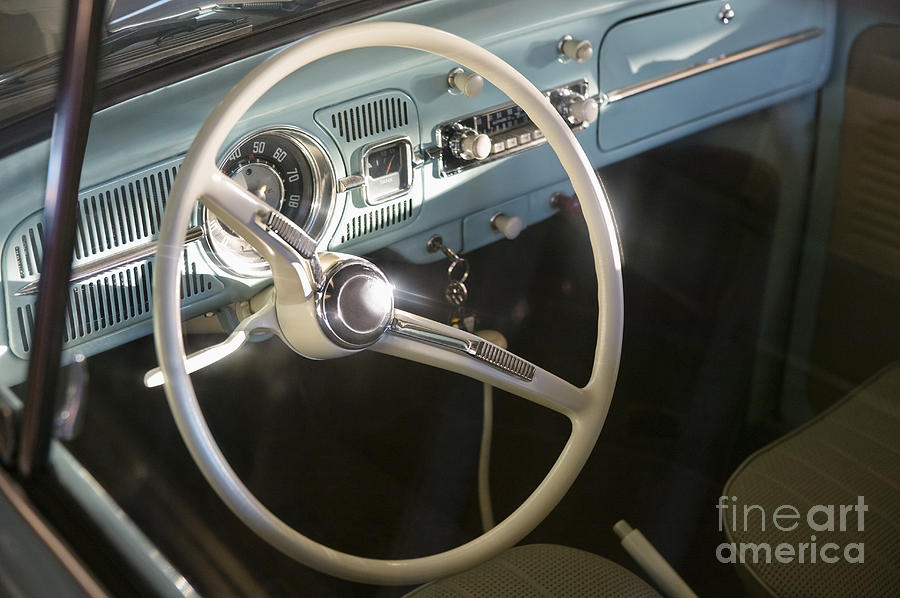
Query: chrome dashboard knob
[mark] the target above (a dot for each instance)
(469, 144)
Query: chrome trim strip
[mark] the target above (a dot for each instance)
(93, 268)
(481, 350)
(504, 360)
(290, 233)
(713, 63)
(432, 337)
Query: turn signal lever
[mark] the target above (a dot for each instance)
(262, 318)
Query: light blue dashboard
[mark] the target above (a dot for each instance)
(637, 44)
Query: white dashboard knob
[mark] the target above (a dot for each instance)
(584, 109)
(479, 146)
(508, 226)
(467, 83)
(579, 50)
(468, 144)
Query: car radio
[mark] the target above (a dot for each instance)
(486, 136)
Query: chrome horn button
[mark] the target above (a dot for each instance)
(356, 304)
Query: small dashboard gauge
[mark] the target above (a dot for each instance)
(287, 169)
(388, 170)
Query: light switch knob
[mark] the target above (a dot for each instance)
(464, 82)
(508, 226)
(579, 50)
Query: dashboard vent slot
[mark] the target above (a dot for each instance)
(112, 219)
(119, 215)
(109, 300)
(370, 118)
(112, 300)
(26, 325)
(378, 219)
(28, 251)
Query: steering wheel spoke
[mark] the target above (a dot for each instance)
(425, 341)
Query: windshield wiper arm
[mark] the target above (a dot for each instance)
(137, 27)
(21, 71)
(182, 12)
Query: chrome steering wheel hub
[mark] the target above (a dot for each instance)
(356, 304)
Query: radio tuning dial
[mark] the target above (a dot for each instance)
(468, 144)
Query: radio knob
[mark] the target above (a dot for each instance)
(579, 109)
(579, 50)
(469, 144)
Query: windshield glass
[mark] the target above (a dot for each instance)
(138, 34)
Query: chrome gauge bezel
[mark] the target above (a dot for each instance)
(406, 143)
(247, 263)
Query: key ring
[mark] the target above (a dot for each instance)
(436, 243)
(458, 270)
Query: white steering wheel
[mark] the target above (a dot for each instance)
(326, 305)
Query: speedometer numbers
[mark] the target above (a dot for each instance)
(287, 169)
(273, 167)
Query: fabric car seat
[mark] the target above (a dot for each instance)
(545, 570)
(841, 474)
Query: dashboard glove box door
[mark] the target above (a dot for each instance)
(670, 68)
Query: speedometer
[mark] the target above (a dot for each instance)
(289, 170)
(272, 165)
